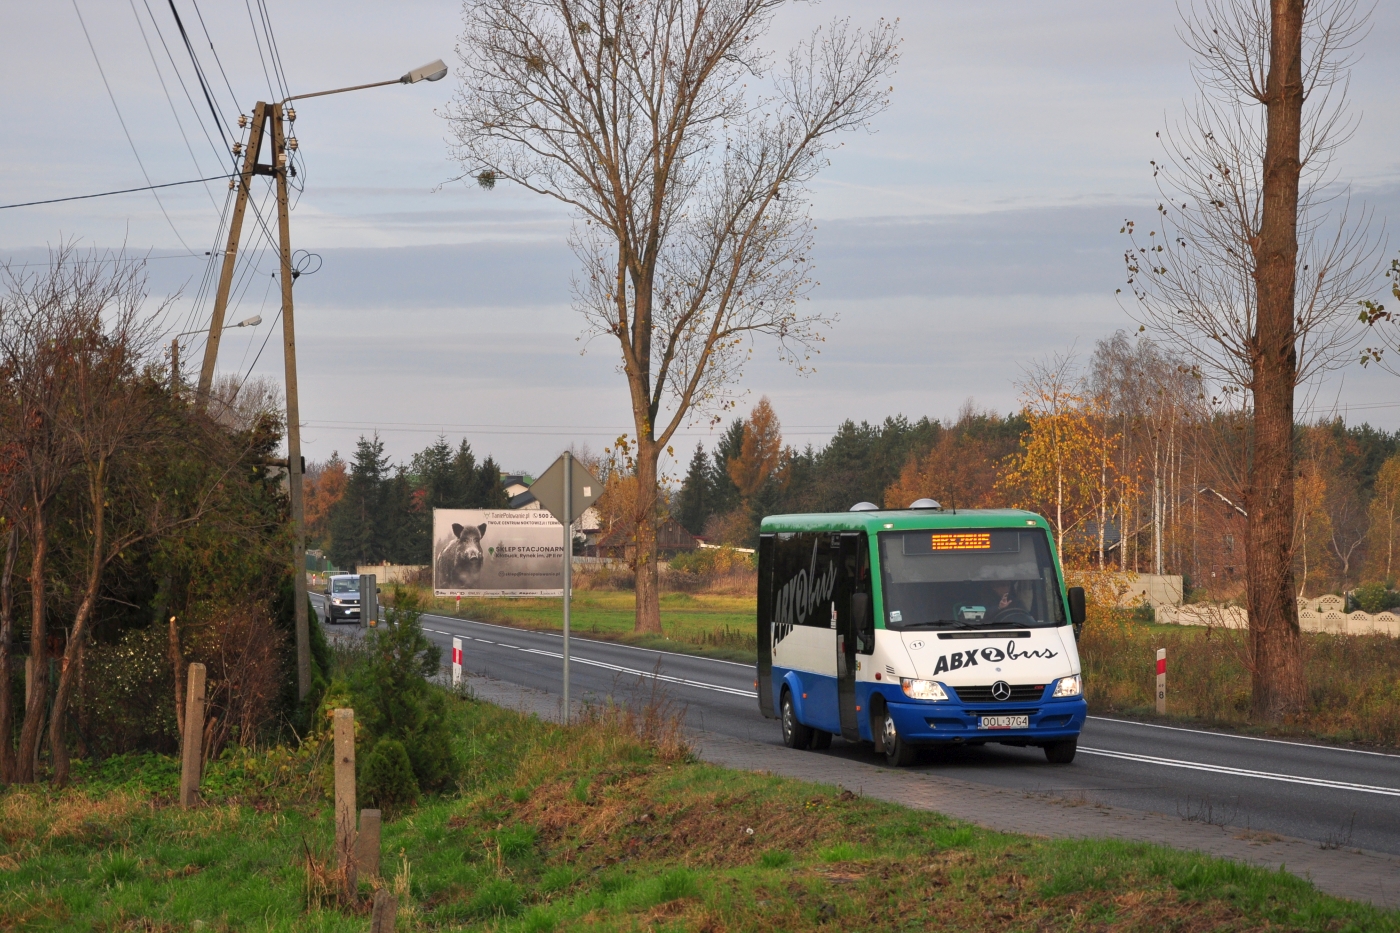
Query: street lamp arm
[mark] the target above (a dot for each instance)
(433, 71)
(342, 90)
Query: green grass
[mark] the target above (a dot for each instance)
(592, 828)
(710, 625)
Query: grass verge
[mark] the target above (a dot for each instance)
(608, 825)
(705, 624)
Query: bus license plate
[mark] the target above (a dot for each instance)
(1004, 722)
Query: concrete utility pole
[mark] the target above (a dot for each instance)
(277, 168)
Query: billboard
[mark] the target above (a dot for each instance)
(497, 552)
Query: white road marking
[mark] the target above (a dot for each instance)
(1244, 772)
(596, 641)
(627, 670)
(666, 678)
(1251, 738)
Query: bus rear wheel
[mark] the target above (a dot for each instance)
(795, 735)
(1062, 752)
(899, 753)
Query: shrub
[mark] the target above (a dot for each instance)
(392, 696)
(1375, 597)
(387, 778)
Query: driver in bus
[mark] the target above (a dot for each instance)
(1004, 596)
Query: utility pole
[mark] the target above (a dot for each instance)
(235, 231)
(277, 168)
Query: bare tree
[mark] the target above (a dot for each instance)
(688, 185)
(1256, 268)
(101, 430)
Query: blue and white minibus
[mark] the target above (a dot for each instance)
(918, 627)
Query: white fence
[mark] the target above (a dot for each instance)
(1314, 615)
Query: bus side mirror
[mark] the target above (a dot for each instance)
(1076, 605)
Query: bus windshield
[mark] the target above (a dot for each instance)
(345, 585)
(969, 578)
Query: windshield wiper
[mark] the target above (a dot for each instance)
(936, 623)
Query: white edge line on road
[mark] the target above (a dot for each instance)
(594, 641)
(1244, 772)
(682, 681)
(662, 677)
(1252, 738)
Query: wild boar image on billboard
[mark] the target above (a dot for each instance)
(497, 552)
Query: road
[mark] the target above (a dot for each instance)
(1333, 796)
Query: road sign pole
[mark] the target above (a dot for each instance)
(568, 566)
(456, 662)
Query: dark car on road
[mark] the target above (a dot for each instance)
(343, 598)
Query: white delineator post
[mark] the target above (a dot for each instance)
(568, 566)
(456, 662)
(1162, 680)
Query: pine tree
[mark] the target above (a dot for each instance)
(693, 503)
(357, 520)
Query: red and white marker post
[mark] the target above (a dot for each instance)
(456, 662)
(1162, 681)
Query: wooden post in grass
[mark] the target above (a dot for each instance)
(344, 722)
(1161, 681)
(386, 907)
(193, 757)
(367, 844)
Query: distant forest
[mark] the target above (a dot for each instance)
(1132, 463)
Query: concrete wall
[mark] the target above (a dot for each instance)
(391, 573)
(1158, 591)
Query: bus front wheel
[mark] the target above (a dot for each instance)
(1062, 752)
(795, 735)
(899, 753)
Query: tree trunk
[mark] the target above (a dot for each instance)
(648, 573)
(72, 652)
(1273, 613)
(37, 691)
(7, 605)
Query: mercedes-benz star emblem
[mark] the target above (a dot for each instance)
(1001, 690)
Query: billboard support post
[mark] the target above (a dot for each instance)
(568, 567)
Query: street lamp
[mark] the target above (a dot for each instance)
(253, 321)
(265, 115)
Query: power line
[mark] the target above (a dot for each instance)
(112, 97)
(168, 99)
(103, 194)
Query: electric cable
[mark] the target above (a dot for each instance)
(122, 121)
(257, 42)
(103, 194)
(218, 61)
(199, 169)
(199, 73)
(219, 153)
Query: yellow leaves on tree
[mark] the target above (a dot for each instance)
(1312, 526)
(960, 471)
(1384, 514)
(323, 487)
(762, 452)
(1056, 472)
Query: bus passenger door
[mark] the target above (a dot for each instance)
(848, 629)
(764, 670)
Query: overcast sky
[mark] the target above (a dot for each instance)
(975, 231)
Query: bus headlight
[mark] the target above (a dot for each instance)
(922, 689)
(1069, 686)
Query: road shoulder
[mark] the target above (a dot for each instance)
(1350, 873)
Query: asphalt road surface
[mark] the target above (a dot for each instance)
(1335, 796)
